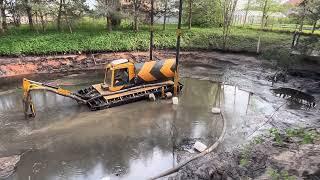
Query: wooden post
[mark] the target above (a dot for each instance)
(258, 44)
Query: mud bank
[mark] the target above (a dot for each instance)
(264, 158)
(10, 67)
(26, 65)
(16, 66)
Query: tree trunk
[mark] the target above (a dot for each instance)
(266, 21)
(69, 25)
(314, 26)
(136, 28)
(16, 19)
(3, 15)
(247, 10)
(190, 14)
(228, 13)
(303, 16)
(109, 23)
(1, 28)
(4, 19)
(29, 13)
(42, 22)
(37, 22)
(59, 15)
(165, 14)
(15, 15)
(301, 24)
(264, 12)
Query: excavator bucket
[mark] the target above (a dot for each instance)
(28, 105)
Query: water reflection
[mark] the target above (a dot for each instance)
(134, 141)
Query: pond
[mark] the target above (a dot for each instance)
(134, 141)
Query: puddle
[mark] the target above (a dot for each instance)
(134, 141)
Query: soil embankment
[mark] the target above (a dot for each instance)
(10, 67)
(16, 66)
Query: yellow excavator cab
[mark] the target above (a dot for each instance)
(119, 75)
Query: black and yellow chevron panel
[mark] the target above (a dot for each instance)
(154, 71)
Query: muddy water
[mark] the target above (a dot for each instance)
(134, 141)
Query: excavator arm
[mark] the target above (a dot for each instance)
(29, 86)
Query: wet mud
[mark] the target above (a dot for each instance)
(258, 160)
(139, 140)
(68, 141)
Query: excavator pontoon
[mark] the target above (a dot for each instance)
(124, 82)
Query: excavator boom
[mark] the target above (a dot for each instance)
(29, 86)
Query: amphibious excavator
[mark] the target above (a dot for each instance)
(125, 82)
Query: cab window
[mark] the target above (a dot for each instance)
(121, 77)
(108, 77)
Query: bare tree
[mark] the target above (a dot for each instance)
(15, 8)
(228, 12)
(1, 28)
(3, 15)
(39, 8)
(264, 13)
(165, 14)
(247, 11)
(302, 12)
(267, 7)
(59, 14)
(111, 10)
(166, 9)
(28, 9)
(190, 14)
(136, 5)
(69, 12)
(313, 12)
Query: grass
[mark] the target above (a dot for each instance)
(91, 36)
(245, 156)
(284, 28)
(279, 175)
(304, 136)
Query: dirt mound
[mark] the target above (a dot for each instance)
(266, 160)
